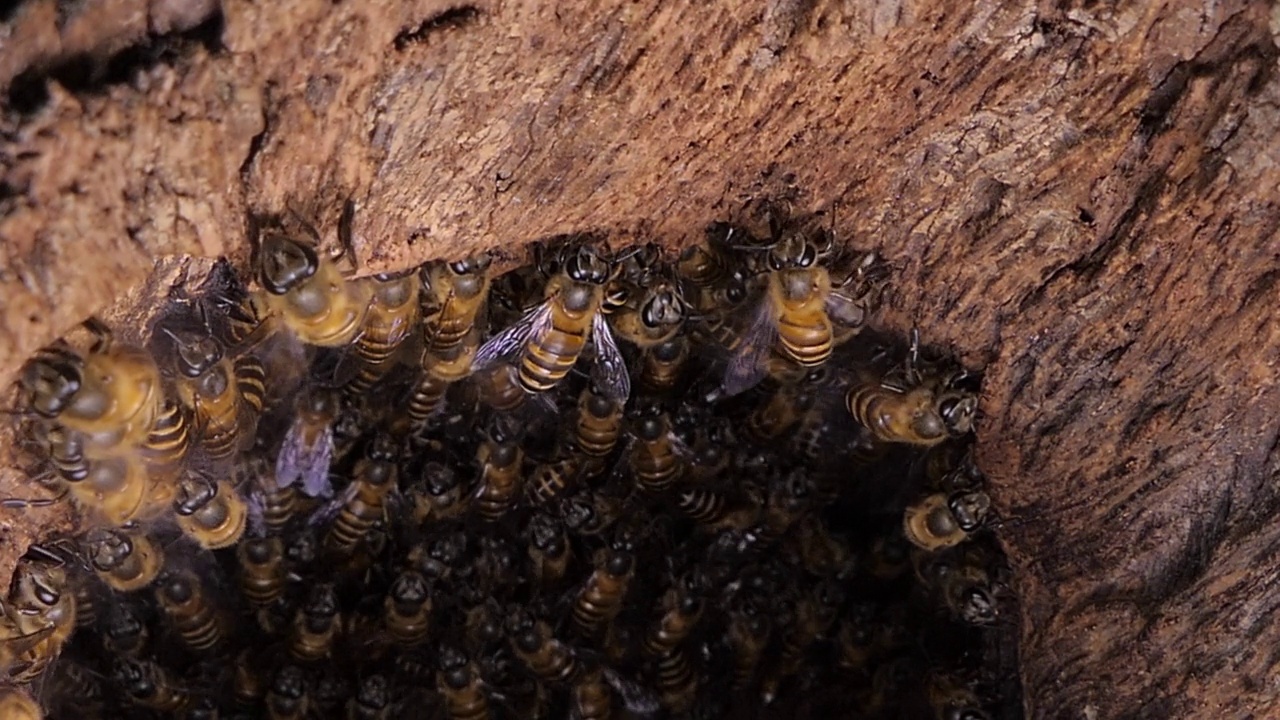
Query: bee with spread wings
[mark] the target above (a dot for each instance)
(549, 339)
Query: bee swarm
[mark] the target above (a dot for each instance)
(603, 484)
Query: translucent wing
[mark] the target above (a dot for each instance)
(306, 459)
(844, 310)
(635, 697)
(508, 343)
(609, 372)
(747, 358)
(328, 511)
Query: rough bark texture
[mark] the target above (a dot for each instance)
(1082, 198)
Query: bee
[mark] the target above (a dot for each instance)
(126, 561)
(952, 700)
(774, 417)
(247, 684)
(407, 609)
(391, 320)
(460, 684)
(116, 490)
(165, 450)
(599, 423)
(662, 365)
(262, 570)
(112, 396)
(287, 699)
(653, 318)
(226, 395)
(501, 461)
(591, 513)
(748, 634)
(307, 449)
(959, 578)
(655, 457)
(315, 625)
(794, 317)
(272, 506)
(372, 700)
(38, 618)
(443, 491)
(555, 479)
(681, 611)
(456, 293)
(126, 633)
(592, 697)
(815, 614)
(911, 409)
(212, 514)
(364, 501)
(428, 396)
(308, 293)
(193, 616)
(548, 549)
(549, 339)
(549, 659)
(600, 599)
(499, 388)
(677, 682)
(17, 704)
(148, 685)
(65, 450)
(941, 521)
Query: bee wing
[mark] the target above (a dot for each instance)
(609, 372)
(508, 343)
(635, 697)
(308, 462)
(328, 511)
(746, 365)
(844, 310)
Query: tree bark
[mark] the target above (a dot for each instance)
(1082, 199)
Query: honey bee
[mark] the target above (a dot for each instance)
(456, 293)
(262, 570)
(17, 704)
(307, 449)
(681, 611)
(307, 292)
(677, 682)
(65, 449)
(272, 507)
(549, 339)
(315, 625)
(391, 320)
(248, 686)
(912, 409)
(961, 581)
(941, 521)
(655, 457)
(460, 684)
(600, 599)
(287, 699)
(407, 609)
(226, 395)
(794, 317)
(39, 616)
(548, 549)
(654, 317)
(662, 366)
(499, 388)
(591, 513)
(112, 396)
(952, 700)
(500, 458)
(126, 633)
(815, 614)
(193, 616)
(115, 490)
(549, 659)
(748, 634)
(443, 491)
(126, 561)
(428, 396)
(555, 479)
(782, 411)
(165, 450)
(599, 423)
(212, 514)
(372, 700)
(364, 501)
(148, 685)
(592, 697)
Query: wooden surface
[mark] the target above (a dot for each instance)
(1081, 198)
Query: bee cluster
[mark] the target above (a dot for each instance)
(605, 484)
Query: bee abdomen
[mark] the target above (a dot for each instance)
(806, 344)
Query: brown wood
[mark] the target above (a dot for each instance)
(1081, 198)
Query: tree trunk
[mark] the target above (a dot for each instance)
(1083, 199)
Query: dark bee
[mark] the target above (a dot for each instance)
(459, 683)
(262, 570)
(501, 461)
(443, 491)
(307, 292)
(681, 611)
(315, 625)
(601, 597)
(308, 446)
(248, 684)
(407, 609)
(677, 681)
(592, 697)
(941, 521)
(192, 615)
(287, 699)
(555, 479)
(549, 339)
(953, 700)
(662, 366)
(212, 514)
(655, 455)
(599, 423)
(126, 632)
(150, 686)
(372, 700)
(653, 316)
(499, 388)
(364, 502)
(747, 638)
(126, 561)
(548, 549)
(549, 659)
